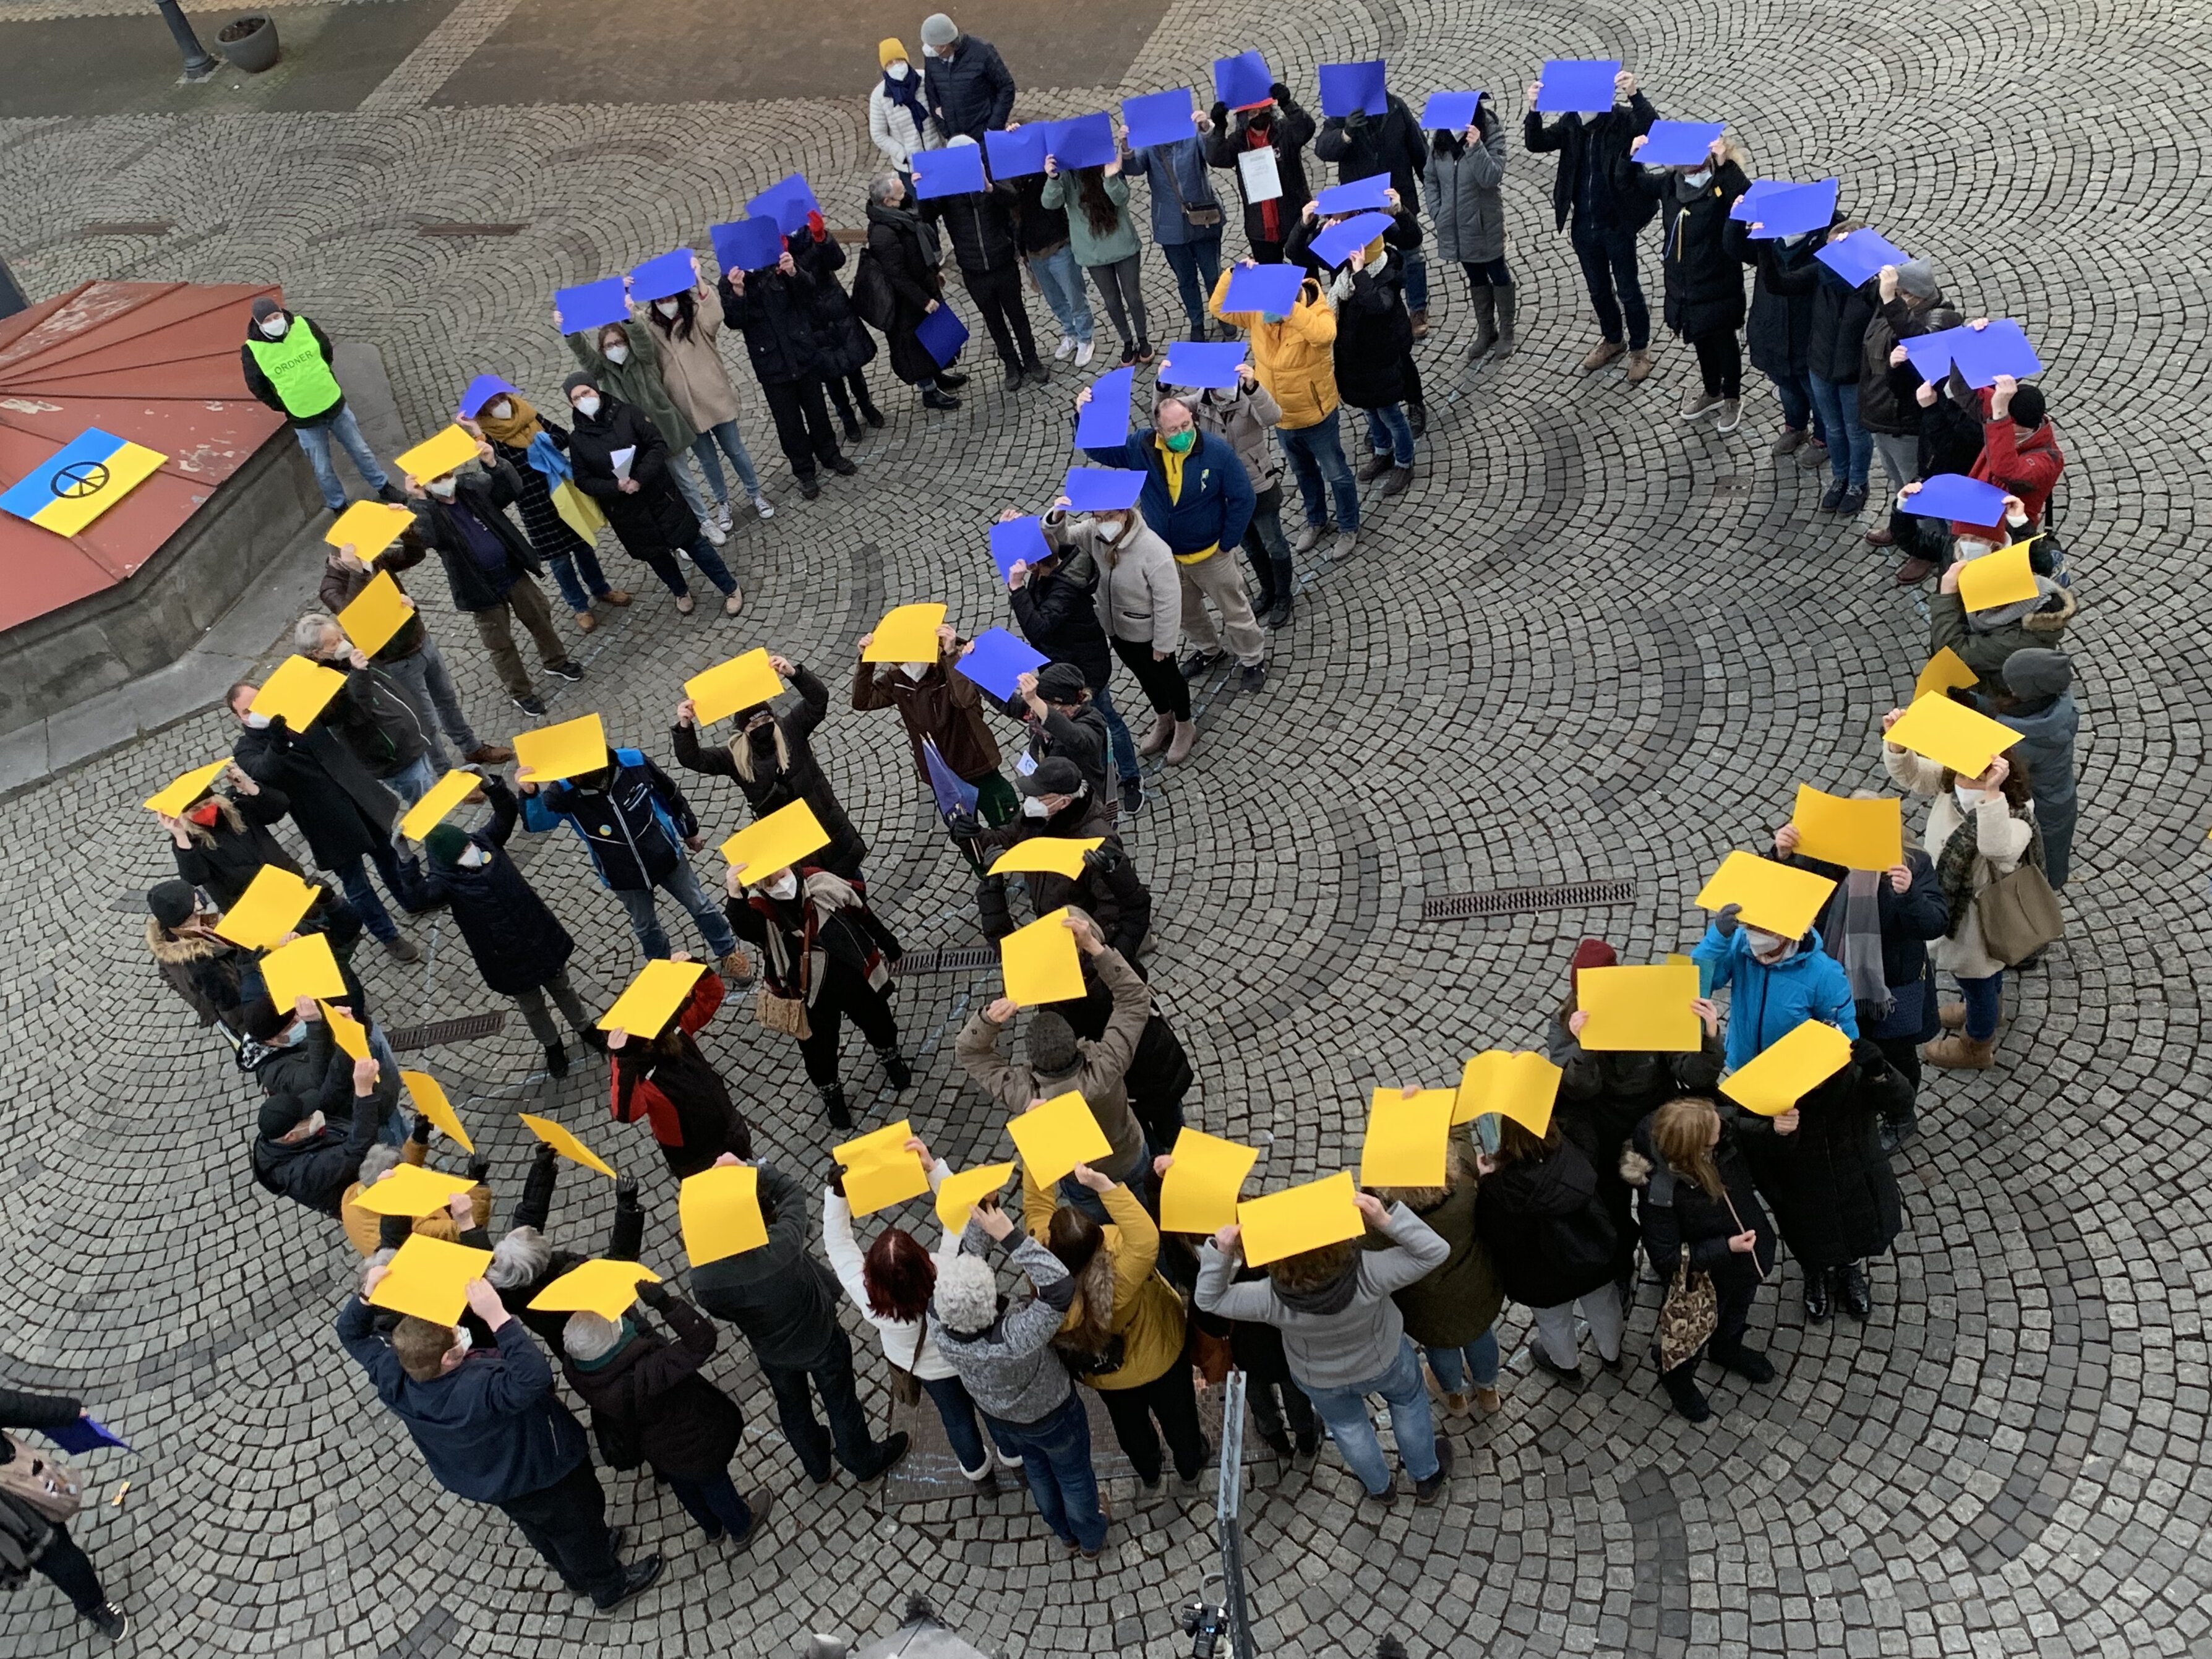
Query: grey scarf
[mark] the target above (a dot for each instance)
(1859, 902)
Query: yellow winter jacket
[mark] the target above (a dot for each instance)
(1148, 1315)
(1296, 358)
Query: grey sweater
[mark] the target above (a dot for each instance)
(1011, 1369)
(1338, 1349)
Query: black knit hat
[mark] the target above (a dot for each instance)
(582, 377)
(173, 903)
(1060, 683)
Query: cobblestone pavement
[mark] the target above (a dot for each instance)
(1587, 643)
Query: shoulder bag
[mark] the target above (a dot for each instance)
(784, 1014)
(1198, 218)
(43, 1483)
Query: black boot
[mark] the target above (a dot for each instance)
(1816, 1295)
(870, 414)
(1743, 1361)
(1853, 1291)
(833, 1103)
(1682, 1386)
(1286, 575)
(896, 1068)
(557, 1059)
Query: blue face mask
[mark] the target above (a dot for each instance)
(1274, 317)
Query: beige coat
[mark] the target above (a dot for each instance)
(692, 369)
(2000, 839)
(1139, 595)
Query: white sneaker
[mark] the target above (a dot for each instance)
(714, 531)
(722, 514)
(763, 507)
(1082, 355)
(1065, 350)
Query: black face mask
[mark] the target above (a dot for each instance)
(1260, 121)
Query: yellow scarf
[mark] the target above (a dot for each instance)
(1171, 464)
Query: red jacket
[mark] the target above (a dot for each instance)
(2026, 465)
(681, 1095)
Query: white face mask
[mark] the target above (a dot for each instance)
(474, 858)
(464, 1338)
(587, 404)
(784, 886)
(1700, 179)
(666, 307)
(617, 353)
(443, 488)
(1971, 799)
(902, 70)
(1033, 806)
(503, 409)
(1765, 945)
(914, 671)
(256, 722)
(274, 327)
(929, 50)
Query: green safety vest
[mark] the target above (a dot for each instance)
(295, 367)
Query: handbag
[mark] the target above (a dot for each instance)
(45, 1484)
(906, 1382)
(784, 1014)
(1691, 1313)
(1198, 218)
(2019, 915)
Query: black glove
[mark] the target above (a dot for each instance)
(480, 1168)
(1724, 924)
(1105, 859)
(652, 1293)
(1867, 1055)
(836, 1182)
(1219, 113)
(626, 1192)
(422, 1135)
(963, 825)
(1280, 94)
(544, 1154)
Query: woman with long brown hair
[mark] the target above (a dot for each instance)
(1103, 234)
(1554, 1243)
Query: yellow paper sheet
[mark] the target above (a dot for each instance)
(2003, 577)
(564, 1143)
(297, 692)
(348, 1033)
(605, 1288)
(1056, 854)
(171, 801)
(1199, 1193)
(1042, 964)
(1297, 1218)
(305, 968)
(719, 1211)
(1640, 1010)
(651, 1000)
(437, 802)
(1054, 1137)
(1951, 734)
(1859, 835)
(1405, 1143)
(741, 682)
(1947, 670)
(1774, 896)
(270, 907)
(429, 1279)
(879, 1171)
(907, 634)
(437, 455)
(1784, 1072)
(378, 612)
(553, 752)
(368, 527)
(411, 1190)
(961, 1191)
(778, 842)
(430, 1097)
(1523, 1087)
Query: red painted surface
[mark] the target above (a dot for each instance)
(154, 362)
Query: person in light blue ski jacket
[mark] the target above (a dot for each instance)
(1775, 984)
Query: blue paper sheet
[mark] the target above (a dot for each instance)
(788, 201)
(1999, 349)
(1270, 289)
(1335, 245)
(1102, 489)
(1242, 81)
(592, 305)
(1018, 541)
(1011, 154)
(1449, 111)
(1932, 355)
(1747, 205)
(1796, 211)
(953, 794)
(1159, 117)
(1580, 86)
(1678, 144)
(86, 1434)
(1357, 197)
(1103, 422)
(955, 170)
(481, 390)
(942, 334)
(746, 244)
(998, 660)
(1858, 256)
(1349, 89)
(676, 272)
(1202, 364)
(1955, 496)
(1085, 141)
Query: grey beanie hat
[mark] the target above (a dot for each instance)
(938, 30)
(581, 378)
(265, 306)
(2039, 673)
(1917, 278)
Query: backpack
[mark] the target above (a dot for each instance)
(874, 301)
(43, 1484)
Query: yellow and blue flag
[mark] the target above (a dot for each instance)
(80, 481)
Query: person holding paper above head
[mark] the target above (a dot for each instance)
(1374, 342)
(684, 327)
(2036, 701)
(899, 119)
(410, 658)
(1103, 233)
(221, 840)
(847, 347)
(1048, 251)
(302, 1155)
(1949, 441)
(1451, 1311)
(1366, 146)
(1293, 355)
(623, 360)
(287, 361)
(663, 1078)
(623, 462)
(1241, 415)
(939, 704)
(1063, 719)
(215, 977)
(561, 523)
(774, 309)
(1186, 214)
(967, 82)
(895, 248)
(770, 757)
(1980, 828)
(1552, 1235)
(1702, 262)
(492, 1430)
(1344, 1337)
(1906, 295)
(1139, 598)
(1059, 804)
(1985, 640)
(1777, 983)
(981, 223)
(2020, 455)
(370, 714)
(1055, 605)
(1607, 216)
(1834, 348)
(1777, 334)
(469, 1210)
(1463, 171)
(293, 1057)
(1274, 131)
(524, 1261)
(35, 1540)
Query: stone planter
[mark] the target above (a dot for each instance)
(248, 44)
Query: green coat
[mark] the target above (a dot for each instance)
(1985, 653)
(638, 382)
(1460, 1300)
(1091, 248)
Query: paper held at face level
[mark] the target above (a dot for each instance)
(1860, 255)
(1859, 835)
(439, 799)
(1999, 578)
(411, 1190)
(1775, 897)
(589, 307)
(564, 1143)
(1262, 290)
(1104, 421)
(959, 1193)
(1337, 244)
(775, 842)
(650, 1000)
(1640, 1010)
(550, 753)
(1043, 963)
(368, 527)
(1159, 117)
(744, 682)
(1404, 1145)
(957, 171)
(1019, 541)
(1102, 489)
(171, 800)
(378, 612)
(297, 693)
(437, 455)
(270, 907)
(1956, 496)
(1951, 734)
(908, 633)
(998, 662)
(1302, 1217)
(348, 1033)
(1678, 144)
(1785, 1071)
(1947, 670)
(1579, 85)
(429, 1099)
(718, 1210)
(1199, 1193)
(429, 1279)
(1523, 1087)
(305, 968)
(1053, 1138)
(1202, 364)
(1242, 81)
(664, 275)
(1353, 89)
(1449, 111)
(880, 1170)
(603, 1287)
(1059, 855)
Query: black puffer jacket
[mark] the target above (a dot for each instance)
(895, 246)
(337, 803)
(1364, 145)
(774, 785)
(1837, 340)
(1373, 331)
(225, 856)
(649, 1401)
(776, 314)
(317, 1171)
(981, 223)
(1701, 248)
(1834, 1195)
(654, 518)
(845, 345)
(1108, 888)
(376, 721)
(1058, 613)
(1573, 137)
(206, 971)
(1547, 1228)
(1681, 1218)
(1780, 324)
(486, 496)
(517, 942)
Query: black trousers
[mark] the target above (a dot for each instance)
(1164, 687)
(1720, 359)
(1170, 1399)
(802, 423)
(70, 1569)
(858, 385)
(567, 1523)
(1005, 313)
(847, 1433)
(1296, 1410)
(1903, 1053)
(871, 1011)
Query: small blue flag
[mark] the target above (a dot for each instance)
(952, 792)
(86, 1434)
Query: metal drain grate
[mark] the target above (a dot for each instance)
(128, 228)
(465, 1030)
(1520, 901)
(451, 228)
(966, 960)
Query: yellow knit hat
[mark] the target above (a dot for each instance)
(889, 51)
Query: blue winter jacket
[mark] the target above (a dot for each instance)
(633, 824)
(1183, 160)
(1217, 492)
(489, 1428)
(1767, 1004)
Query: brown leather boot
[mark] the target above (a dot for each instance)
(1186, 739)
(1601, 354)
(1952, 1015)
(1639, 366)
(1164, 729)
(1960, 1052)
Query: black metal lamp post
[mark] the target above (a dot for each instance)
(199, 65)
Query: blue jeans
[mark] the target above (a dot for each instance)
(1416, 262)
(950, 1395)
(1794, 394)
(1388, 432)
(402, 880)
(682, 886)
(715, 1503)
(1981, 996)
(1851, 446)
(1055, 1454)
(1117, 735)
(1061, 282)
(1344, 1411)
(1610, 272)
(411, 783)
(1315, 453)
(1197, 267)
(725, 434)
(1476, 1361)
(395, 1122)
(578, 577)
(316, 440)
